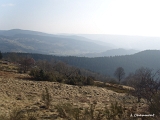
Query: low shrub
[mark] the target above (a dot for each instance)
(46, 97)
(19, 114)
(40, 75)
(66, 110)
(154, 105)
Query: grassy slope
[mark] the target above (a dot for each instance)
(17, 91)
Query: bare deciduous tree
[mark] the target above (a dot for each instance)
(146, 83)
(26, 63)
(1, 55)
(119, 73)
(66, 70)
(44, 65)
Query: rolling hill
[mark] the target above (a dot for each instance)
(17, 40)
(112, 52)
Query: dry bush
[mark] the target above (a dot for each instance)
(46, 97)
(67, 111)
(15, 114)
(154, 106)
(19, 114)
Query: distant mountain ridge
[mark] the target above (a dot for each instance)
(13, 32)
(17, 40)
(112, 52)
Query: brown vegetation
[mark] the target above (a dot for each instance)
(31, 100)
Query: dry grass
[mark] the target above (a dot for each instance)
(17, 90)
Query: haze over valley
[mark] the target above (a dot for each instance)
(92, 45)
(101, 57)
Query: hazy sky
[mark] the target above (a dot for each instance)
(126, 17)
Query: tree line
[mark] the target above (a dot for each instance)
(104, 65)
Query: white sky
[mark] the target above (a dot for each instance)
(124, 17)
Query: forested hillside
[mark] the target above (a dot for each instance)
(106, 65)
